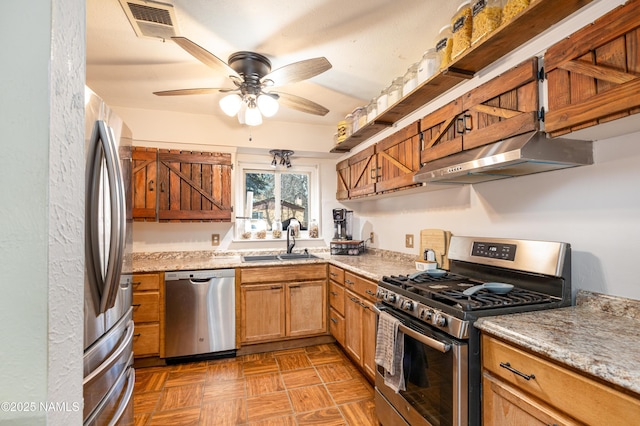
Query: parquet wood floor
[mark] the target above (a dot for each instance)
(317, 385)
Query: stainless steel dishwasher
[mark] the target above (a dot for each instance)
(200, 313)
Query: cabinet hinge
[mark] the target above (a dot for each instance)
(541, 74)
(231, 209)
(231, 166)
(541, 114)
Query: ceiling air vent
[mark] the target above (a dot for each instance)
(150, 18)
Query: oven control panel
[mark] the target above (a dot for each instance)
(428, 315)
(494, 250)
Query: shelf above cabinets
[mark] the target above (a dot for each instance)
(537, 18)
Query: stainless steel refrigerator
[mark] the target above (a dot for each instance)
(108, 316)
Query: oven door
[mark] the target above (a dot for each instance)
(435, 367)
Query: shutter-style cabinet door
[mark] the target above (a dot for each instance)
(344, 180)
(363, 172)
(440, 135)
(194, 186)
(145, 183)
(398, 158)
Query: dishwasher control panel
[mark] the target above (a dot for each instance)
(198, 275)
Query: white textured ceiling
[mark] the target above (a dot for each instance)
(368, 42)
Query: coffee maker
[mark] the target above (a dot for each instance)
(342, 224)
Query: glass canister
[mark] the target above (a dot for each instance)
(342, 131)
(276, 229)
(357, 122)
(382, 100)
(349, 124)
(487, 15)
(394, 93)
(372, 110)
(512, 8)
(443, 46)
(362, 119)
(429, 65)
(410, 79)
(461, 27)
(313, 229)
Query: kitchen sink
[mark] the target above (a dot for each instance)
(279, 257)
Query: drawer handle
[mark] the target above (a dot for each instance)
(276, 287)
(137, 335)
(333, 293)
(136, 282)
(370, 292)
(334, 320)
(333, 274)
(513, 370)
(294, 286)
(354, 300)
(136, 305)
(349, 282)
(363, 305)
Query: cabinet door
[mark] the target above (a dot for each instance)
(344, 180)
(145, 183)
(363, 172)
(337, 326)
(263, 312)
(353, 327)
(194, 186)
(398, 158)
(369, 323)
(505, 405)
(441, 136)
(306, 308)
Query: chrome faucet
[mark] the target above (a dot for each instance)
(290, 246)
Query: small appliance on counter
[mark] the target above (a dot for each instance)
(342, 224)
(350, 248)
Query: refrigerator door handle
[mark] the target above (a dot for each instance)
(113, 358)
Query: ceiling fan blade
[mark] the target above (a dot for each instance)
(202, 91)
(297, 71)
(300, 104)
(204, 56)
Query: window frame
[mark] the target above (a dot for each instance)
(254, 167)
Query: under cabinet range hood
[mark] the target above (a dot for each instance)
(521, 155)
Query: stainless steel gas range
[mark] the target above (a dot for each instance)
(441, 363)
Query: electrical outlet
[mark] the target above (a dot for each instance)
(371, 237)
(215, 239)
(408, 240)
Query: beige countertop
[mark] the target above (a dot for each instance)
(599, 336)
(373, 264)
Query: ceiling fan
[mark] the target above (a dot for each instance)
(251, 74)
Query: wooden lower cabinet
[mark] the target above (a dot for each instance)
(337, 326)
(353, 327)
(369, 323)
(283, 302)
(148, 314)
(553, 393)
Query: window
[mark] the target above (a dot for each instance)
(270, 195)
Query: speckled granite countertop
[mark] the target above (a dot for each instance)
(373, 264)
(598, 336)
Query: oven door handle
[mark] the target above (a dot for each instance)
(426, 340)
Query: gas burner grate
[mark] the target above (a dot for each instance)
(484, 299)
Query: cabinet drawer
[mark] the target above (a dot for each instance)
(336, 297)
(337, 326)
(144, 282)
(336, 274)
(361, 286)
(580, 397)
(146, 339)
(283, 273)
(145, 306)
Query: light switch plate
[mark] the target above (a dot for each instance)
(215, 239)
(408, 240)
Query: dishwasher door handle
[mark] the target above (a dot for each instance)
(200, 280)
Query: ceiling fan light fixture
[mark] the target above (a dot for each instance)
(268, 105)
(253, 116)
(231, 104)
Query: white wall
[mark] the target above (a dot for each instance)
(42, 209)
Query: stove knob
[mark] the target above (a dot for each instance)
(440, 320)
(380, 293)
(408, 305)
(390, 297)
(429, 315)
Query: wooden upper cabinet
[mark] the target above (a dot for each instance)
(503, 107)
(398, 158)
(362, 171)
(144, 183)
(594, 75)
(194, 186)
(344, 180)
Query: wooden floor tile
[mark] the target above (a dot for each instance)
(227, 389)
(360, 412)
(228, 412)
(150, 381)
(261, 366)
(336, 372)
(310, 398)
(293, 361)
(141, 419)
(349, 391)
(324, 354)
(186, 377)
(325, 417)
(289, 352)
(275, 421)
(224, 371)
(300, 378)
(260, 384)
(179, 417)
(180, 397)
(256, 356)
(145, 402)
(271, 405)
